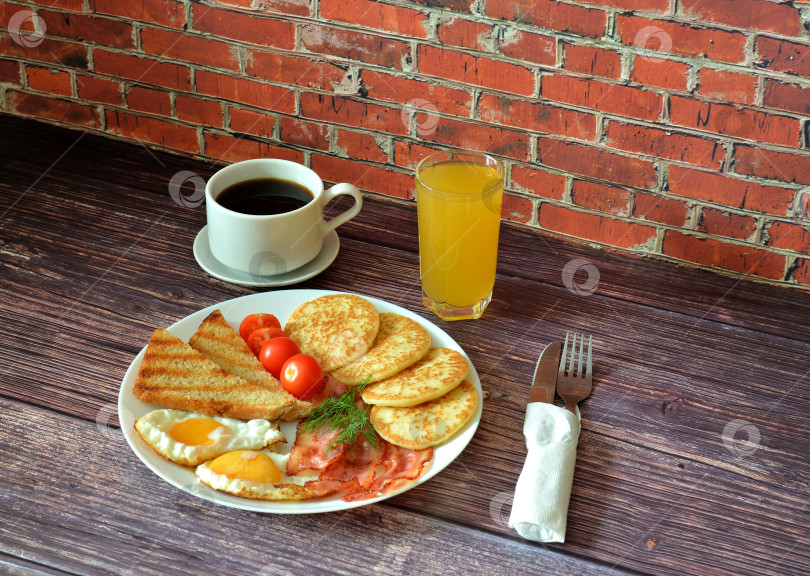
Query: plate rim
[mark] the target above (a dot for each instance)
(173, 473)
(329, 252)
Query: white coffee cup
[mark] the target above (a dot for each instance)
(275, 243)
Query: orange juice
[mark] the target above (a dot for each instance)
(459, 212)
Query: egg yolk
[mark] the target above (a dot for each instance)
(195, 431)
(247, 465)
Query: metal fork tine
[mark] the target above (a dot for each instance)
(562, 356)
(573, 354)
(590, 368)
(576, 385)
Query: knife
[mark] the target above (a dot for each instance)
(545, 374)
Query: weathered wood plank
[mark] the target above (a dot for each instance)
(90, 507)
(58, 150)
(16, 566)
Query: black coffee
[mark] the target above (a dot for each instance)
(264, 196)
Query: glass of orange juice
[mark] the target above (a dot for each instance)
(458, 201)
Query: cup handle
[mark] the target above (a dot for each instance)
(332, 193)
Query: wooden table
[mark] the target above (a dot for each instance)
(95, 254)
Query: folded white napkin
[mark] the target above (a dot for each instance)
(540, 507)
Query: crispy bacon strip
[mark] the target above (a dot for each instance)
(358, 462)
(323, 487)
(405, 463)
(400, 464)
(361, 471)
(310, 450)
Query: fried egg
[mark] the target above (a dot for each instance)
(190, 439)
(255, 474)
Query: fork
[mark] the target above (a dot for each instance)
(573, 386)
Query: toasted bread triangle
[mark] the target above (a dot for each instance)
(219, 342)
(174, 375)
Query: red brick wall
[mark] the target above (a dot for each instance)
(676, 129)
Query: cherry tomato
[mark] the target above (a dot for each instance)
(258, 337)
(302, 376)
(253, 322)
(275, 352)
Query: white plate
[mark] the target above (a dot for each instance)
(281, 303)
(206, 260)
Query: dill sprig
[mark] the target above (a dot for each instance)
(341, 412)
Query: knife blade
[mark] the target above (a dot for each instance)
(544, 382)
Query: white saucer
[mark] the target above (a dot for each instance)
(206, 260)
